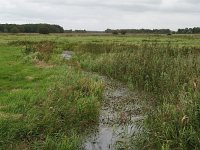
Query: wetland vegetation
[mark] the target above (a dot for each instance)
(47, 102)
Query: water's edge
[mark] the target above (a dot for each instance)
(119, 117)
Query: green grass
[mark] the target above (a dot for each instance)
(129, 39)
(51, 107)
(44, 107)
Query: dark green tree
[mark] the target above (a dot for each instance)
(115, 32)
(14, 30)
(123, 32)
(44, 30)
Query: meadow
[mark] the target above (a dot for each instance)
(49, 103)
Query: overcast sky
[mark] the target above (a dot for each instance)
(103, 14)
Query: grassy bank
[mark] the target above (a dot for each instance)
(44, 105)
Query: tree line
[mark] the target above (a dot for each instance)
(76, 31)
(195, 30)
(48, 28)
(139, 31)
(31, 28)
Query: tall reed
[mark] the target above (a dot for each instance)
(170, 72)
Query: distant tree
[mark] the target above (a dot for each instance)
(115, 32)
(196, 30)
(80, 31)
(173, 32)
(68, 31)
(14, 30)
(108, 31)
(55, 29)
(5, 30)
(1, 28)
(139, 31)
(30, 28)
(123, 32)
(44, 30)
(169, 34)
(21, 28)
(180, 31)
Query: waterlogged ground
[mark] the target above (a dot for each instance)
(119, 118)
(22, 85)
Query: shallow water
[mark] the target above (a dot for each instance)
(118, 118)
(67, 55)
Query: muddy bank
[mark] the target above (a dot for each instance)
(119, 117)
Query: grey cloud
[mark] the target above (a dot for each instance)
(190, 1)
(95, 14)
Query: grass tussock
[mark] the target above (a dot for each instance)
(40, 51)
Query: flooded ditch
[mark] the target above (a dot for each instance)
(119, 118)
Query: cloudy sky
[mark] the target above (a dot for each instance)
(103, 14)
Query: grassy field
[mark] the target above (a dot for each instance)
(44, 105)
(48, 103)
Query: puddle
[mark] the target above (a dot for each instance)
(67, 55)
(118, 118)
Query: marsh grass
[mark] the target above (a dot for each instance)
(168, 71)
(33, 51)
(58, 104)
